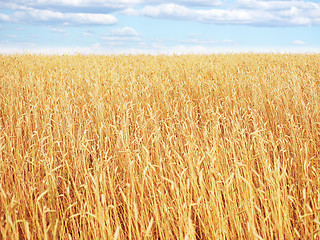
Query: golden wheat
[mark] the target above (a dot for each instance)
(221, 146)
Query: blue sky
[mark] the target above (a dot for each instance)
(154, 26)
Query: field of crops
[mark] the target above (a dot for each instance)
(223, 146)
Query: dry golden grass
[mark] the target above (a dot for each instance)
(160, 147)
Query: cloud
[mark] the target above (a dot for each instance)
(15, 6)
(247, 12)
(88, 33)
(155, 48)
(195, 41)
(36, 11)
(125, 32)
(286, 12)
(298, 42)
(58, 30)
(11, 36)
(276, 4)
(121, 33)
(121, 36)
(15, 46)
(74, 6)
(195, 49)
(4, 18)
(178, 12)
(199, 3)
(97, 6)
(162, 11)
(48, 16)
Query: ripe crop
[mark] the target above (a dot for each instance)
(223, 146)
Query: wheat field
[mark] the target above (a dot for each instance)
(222, 146)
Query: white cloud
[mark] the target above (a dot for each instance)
(276, 4)
(249, 12)
(83, 2)
(4, 18)
(11, 36)
(285, 12)
(179, 12)
(88, 33)
(208, 3)
(158, 46)
(171, 10)
(196, 41)
(58, 30)
(121, 36)
(116, 38)
(15, 6)
(6, 47)
(200, 41)
(126, 32)
(91, 18)
(63, 18)
(97, 6)
(63, 4)
(298, 42)
(38, 11)
(9, 47)
(156, 49)
(196, 49)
